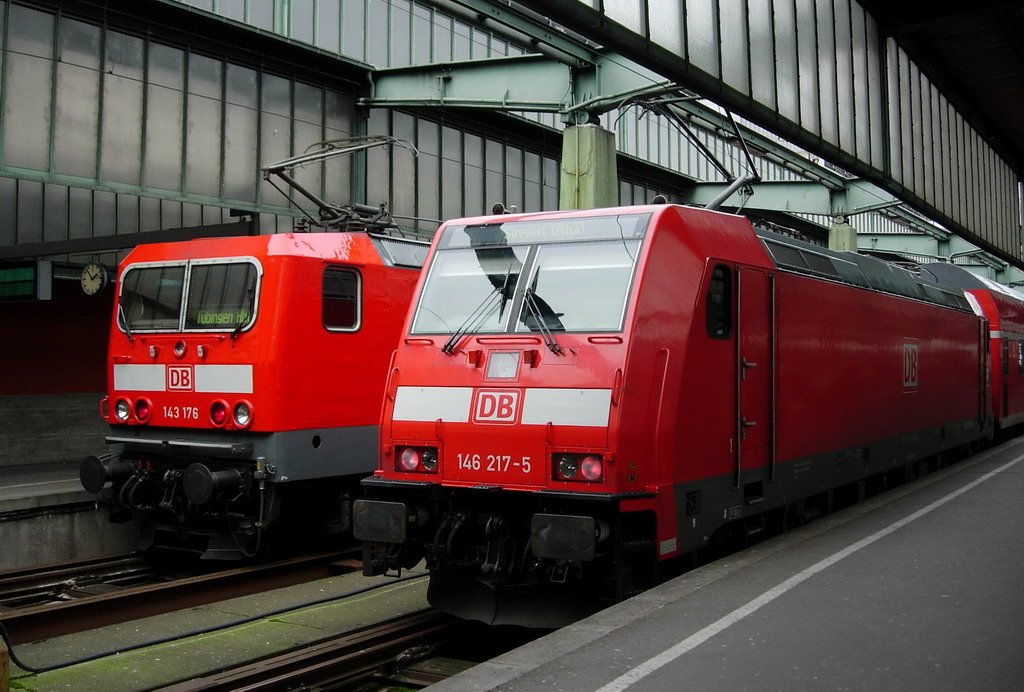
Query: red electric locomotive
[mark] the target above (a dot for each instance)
(579, 396)
(244, 381)
(1004, 309)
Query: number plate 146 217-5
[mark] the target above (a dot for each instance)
(495, 463)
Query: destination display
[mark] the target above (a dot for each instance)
(611, 227)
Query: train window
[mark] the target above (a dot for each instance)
(1020, 359)
(221, 296)
(341, 299)
(469, 287)
(579, 288)
(151, 298)
(581, 285)
(719, 303)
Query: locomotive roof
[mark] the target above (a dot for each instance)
(356, 247)
(796, 256)
(953, 275)
(857, 270)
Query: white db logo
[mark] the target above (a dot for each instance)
(180, 378)
(496, 406)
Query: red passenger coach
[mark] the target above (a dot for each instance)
(581, 395)
(1004, 309)
(245, 378)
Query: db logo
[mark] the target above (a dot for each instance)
(910, 365)
(496, 406)
(179, 378)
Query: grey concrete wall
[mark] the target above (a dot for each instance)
(46, 517)
(52, 538)
(47, 428)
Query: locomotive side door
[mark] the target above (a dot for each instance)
(754, 370)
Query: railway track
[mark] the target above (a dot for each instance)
(377, 635)
(84, 595)
(21, 588)
(408, 652)
(383, 651)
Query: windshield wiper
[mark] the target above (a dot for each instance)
(505, 292)
(124, 320)
(535, 312)
(472, 323)
(250, 294)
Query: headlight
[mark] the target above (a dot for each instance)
(122, 410)
(568, 465)
(243, 414)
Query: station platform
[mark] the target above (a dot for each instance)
(921, 587)
(35, 485)
(46, 516)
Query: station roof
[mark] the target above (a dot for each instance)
(974, 52)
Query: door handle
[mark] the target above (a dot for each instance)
(744, 424)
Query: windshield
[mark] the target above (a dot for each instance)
(460, 283)
(580, 287)
(221, 296)
(555, 276)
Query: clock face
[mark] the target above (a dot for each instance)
(94, 278)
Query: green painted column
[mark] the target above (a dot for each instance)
(842, 236)
(589, 178)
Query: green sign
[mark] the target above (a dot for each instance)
(26, 281)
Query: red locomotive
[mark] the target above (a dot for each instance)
(244, 381)
(580, 396)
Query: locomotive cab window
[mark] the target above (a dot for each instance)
(579, 288)
(151, 298)
(221, 296)
(199, 296)
(559, 275)
(719, 303)
(341, 299)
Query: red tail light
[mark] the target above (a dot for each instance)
(416, 459)
(410, 459)
(592, 468)
(143, 410)
(219, 413)
(588, 468)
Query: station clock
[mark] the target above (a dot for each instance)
(94, 278)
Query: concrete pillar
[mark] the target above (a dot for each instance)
(842, 236)
(589, 178)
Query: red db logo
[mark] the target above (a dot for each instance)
(910, 365)
(179, 378)
(496, 406)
